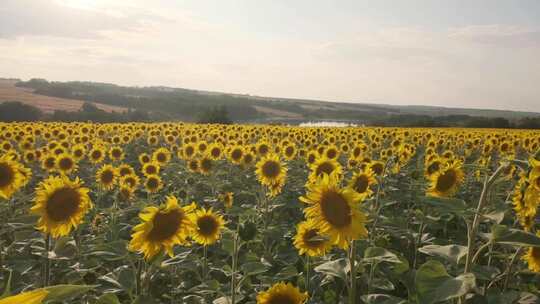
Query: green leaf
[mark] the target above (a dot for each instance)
(446, 205)
(379, 254)
(504, 235)
(108, 298)
(382, 299)
(253, 268)
(452, 253)
(337, 268)
(433, 284)
(7, 287)
(66, 292)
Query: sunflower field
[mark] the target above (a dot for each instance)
(232, 214)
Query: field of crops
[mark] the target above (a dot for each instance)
(185, 213)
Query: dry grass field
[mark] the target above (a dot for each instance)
(9, 92)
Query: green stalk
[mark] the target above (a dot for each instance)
(308, 266)
(205, 263)
(488, 183)
(47, 272)
(138, 286)
(352, 259)
(234, 264)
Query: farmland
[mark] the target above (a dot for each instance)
(47, 104)
(207, 213)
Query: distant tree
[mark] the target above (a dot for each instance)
(216, 114)
(16, 111)
(90, 107)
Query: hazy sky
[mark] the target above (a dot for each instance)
(456, 53)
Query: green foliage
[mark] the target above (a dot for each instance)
(11, 111)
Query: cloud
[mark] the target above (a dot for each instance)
(498, 35)
(20, 18)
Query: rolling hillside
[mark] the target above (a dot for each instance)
(47, 104)
(166, 103)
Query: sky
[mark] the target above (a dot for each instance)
(459, 53)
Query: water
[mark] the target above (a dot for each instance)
(327, 124)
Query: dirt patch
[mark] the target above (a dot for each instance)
(9, 92)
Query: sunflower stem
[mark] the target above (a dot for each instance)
(308, 266)
(488, 183)
(509, 268)
(205, 263)
(234, 264)
(139, 274)
(352, 263)
(46, 273)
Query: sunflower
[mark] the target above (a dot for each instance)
(322, 166)
(446, 181)
(131, 180)
(335, 210)
(236, 153)
(78, 151)
(144, 158)
(106, 177)
(151, 168)
(48, 162)
(206, 164)
(362, 181)
(116, 153)
(532, 257)
(193, 165)
(125, 192)
(61, 205)
(248, 159)
(282, 293)
(215, 151)
(161, 228)
(97, 155)
(66, 164)
(162, 156)
(31, 297)
(433, 166)
(310, 241)
(11, 177)
(289, 152)
(208, 226)
(227, 198)
(153, 183)
(125, 169)
(377, 167)
(271, 173)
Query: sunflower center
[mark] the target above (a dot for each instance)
(96, 154)
(279, 298)
(289, 151)
(361, 184)
(151, 170)
(215, 152)
(65, 163)
(331, 153)
(236, 154)
(377, 168)
(161, 157)
(433, 167)
(116, 153)
(335, 209)
(271, 169)
(535, 253)
(207, 225)
(326, 167)
(446, 181)
(165, 225)
(7, 175)
(206, 164)
(63, 204)
(152, 183)
(312, 238)
(107, 177)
